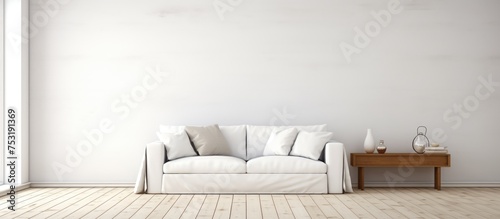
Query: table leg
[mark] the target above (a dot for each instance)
(361, 178)
(437, 178)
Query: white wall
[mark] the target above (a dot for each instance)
(264, 58)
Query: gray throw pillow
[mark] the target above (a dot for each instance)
(208, 140)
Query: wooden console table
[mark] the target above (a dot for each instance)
(362, 160)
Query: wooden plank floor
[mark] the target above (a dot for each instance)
(371, 203)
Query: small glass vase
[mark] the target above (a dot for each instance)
(420, 142)
(381, 148)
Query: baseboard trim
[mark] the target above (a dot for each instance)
(418, 184)
(375, 184)
(81, 185)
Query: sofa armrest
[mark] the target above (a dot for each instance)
(334, 159)
(155, 158)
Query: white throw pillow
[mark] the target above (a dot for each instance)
(257, 137)
(280, 142)
(177, 145)
(208, 140)
(310, 144)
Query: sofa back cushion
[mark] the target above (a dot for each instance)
(235, 137)
(257, 136)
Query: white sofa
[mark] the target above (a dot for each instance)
(245, 170)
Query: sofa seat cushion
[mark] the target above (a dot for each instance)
(284, 164)
(205, 164)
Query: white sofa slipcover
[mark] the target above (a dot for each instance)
(285, 164)
(246, 170)
(205, 165)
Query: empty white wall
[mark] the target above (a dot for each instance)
(266, 62)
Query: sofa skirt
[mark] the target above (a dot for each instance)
(244, 183)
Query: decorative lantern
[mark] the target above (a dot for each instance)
(420, 142)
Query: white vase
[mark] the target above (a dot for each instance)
(369, 142)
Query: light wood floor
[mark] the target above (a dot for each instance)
(371, 203)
